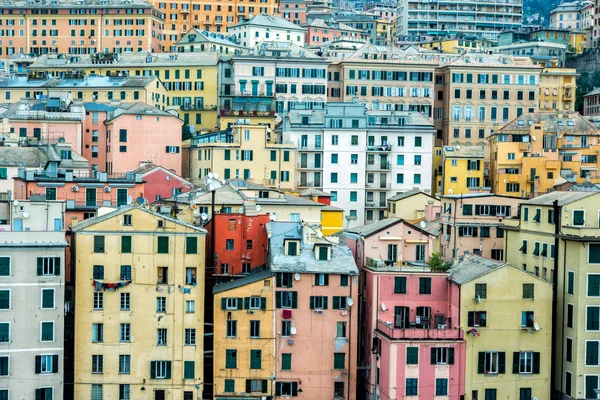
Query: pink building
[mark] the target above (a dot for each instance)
(321, 31)
(473, 223)
(293, 10)
(411, 340)
(160, 183)
(391, 240)
(316, 318)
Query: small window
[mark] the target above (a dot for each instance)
(127, 220)
(528, 290)
(480, 291)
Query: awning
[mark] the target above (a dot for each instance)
(254, 81)
(268, 81)
(415, 241)
(589, 168)
(390, 237)
(568, 153)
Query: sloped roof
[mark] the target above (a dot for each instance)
(253, 277)
(314, 192)
(471, 267)
(410, 193)
(563, 198)
(270, 21)
(370, 229)
(25, 156)
(573, 123)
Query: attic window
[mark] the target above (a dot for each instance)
(521, 122)
(292, 248)
(561, 123)
(530, 122)
(322, 253)
(570, 122)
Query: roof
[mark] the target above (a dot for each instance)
(475, 195)
(269, 21)
(87, 82)
(314, 192)
(22, 156)
(370, 229)
(70, 4)
(121, 210)
(141, 59)
(266, 50)
(596, 90)
(341, 262)
(463, 151)
(410, 193)
(212, 37)
(253, 277)
(553, 122)
(563, 198)
(472, 267)
(138, 109)
(321, 23)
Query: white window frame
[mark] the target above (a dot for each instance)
(251, 329)
(125, 300)
(484, 209)
(98, 299)
(339, 326)
(588, 256)
(573, 217)
(160, 336)
(526, 358)
(43, 387)
(9, 331)
(319, 302)
(585, 380)
(161, 369)
(289, 327)
(255, 303)
(190, 306)
(587, 284)
(42, 299)
(161, 304)
(321, 280)
(53, 331)
(585, 354)
(47, 266)
(471, 231)
(441, 355)
(94, 324)
(42, 371)
(98, 370)
(125, 332)
(586, 315)
(231, 303)
(126, 371)
(284, 393)
(190, 337)
(485, 364)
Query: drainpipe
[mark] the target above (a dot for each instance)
(454, 252)
(556, 210)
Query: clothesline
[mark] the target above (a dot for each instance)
(112, 286)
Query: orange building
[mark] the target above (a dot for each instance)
(79, 27)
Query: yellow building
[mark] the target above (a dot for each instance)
(575, 253)
(437, 169)
(139, 306)
(577, 41)
(506, 314)
(244, 337)
(557, 89)
(538, 151)
(454, 45)
(462, 169)
(249, 152)
(413, 206)
(190, 80)
(147, 89)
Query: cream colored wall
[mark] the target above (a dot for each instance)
(411, 208)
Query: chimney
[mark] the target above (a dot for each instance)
(74, 221)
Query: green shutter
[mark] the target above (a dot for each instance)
(286, 362)
(412, 355)
(339, 360)
(501, 363)
(126, 244)
(312, 302)
(400, 284)
(432, 358)
(38, 394)
(4, 266)
(294, 299)
(263, 303)
(163, 245)
(230, 385)
(47, 298)
(55, 363)
(336, 303)
(325, 302)
(98, 244)
(191, 245)
(188, 370)
(248, 386)
(278, 299)
(264, 386)
(451, 355)
(4, 332)
(38, 364)
(536, 362)
(40, 266)
(4, 299)
(152, 369)
(515, 365)
(255, 359)
(591, 353)
(294, 388)
(343, 280)
(277, 388)
(57, 266)
(240, 303)
(224, 303)
(246, 303)
(168, 372)
(481, 363)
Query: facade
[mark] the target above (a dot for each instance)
(569, 15)
(569, 260)
(243, 337)
(418, 19)
(509, 354)
(463, 169)
(591, 103)
(126, 334)
(473, 223)
(187, 81)
(537, 50)
(32, 338)
(320, 31)
(293, 10)
(52, 27)
(414, 206)
(263, 27)
(201, 41)
(536, 151)
(361, 157)
(455, 45)
(558, 87)
(316, 317)
(412, 339)
(243, 151)
(161, 183)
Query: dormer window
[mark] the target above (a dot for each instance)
(322, 253)
(291, 247)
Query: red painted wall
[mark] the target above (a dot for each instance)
(160, 183)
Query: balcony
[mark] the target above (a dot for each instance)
(379, 186)
(309, 184)
(73, 205)
(385, 148)
(374, 204)
(185, 10)
(418, 333)
(379, 167)
(308, 166)
(247, 113)
(310, 147)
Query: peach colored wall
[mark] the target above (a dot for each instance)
(321, 37)
(53, 130)
(315, 343)
(147, 139)
(290, 8)
(90, 125)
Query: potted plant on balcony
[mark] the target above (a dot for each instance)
(436, 264)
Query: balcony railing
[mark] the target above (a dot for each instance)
(91, 205)
(419, 333)
(379, 166)
(247, 113)
(385, 148)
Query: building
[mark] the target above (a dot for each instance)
(418, 19)
(316, 341)
(556, 237)
(153, 338)
(161, 183)
(201, 41)
(591, 103)
(263, 27)
(463, 169)
(243, 151)
(52, 27)
(473, 223)
(32, 299)
(569, 15)
(558, 87)
(361, 157)
(292, 76)
(244, 335)
(536, 151)
(509, 354)
(384, 78)
(358, 20)
(293, 10)
(412, 340)
(537, 50)
(187, 82)
(320, 31)
(414, 206)
(391, 241)
(455, 45)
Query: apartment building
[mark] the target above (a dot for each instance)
(384, 78)
(243, 335)
(32, 299)
(161, 183)
(131, 341)
(414, 206)
(537, 151)
(509, 354)
(361, 157)
(557, 89)
(320, 31)
(412, 340)
(316, 315)
(212, 16)
(243, 151)
(200, 41)
(537, 50)
(591, 103)
(556, 237)
(477, 93)
(187, 82)
(569, 15)
(293, 10)
(265, 28)
(463, 169)
(474, 223)
(80, 27)
(292, 76)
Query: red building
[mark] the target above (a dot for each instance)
(240, 243)
(160, 183)
(316, 195)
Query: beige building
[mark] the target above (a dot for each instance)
(243, 151)
(413, 206)
(570, 260)
(139, 306)
(32, 299)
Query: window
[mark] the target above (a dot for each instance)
(4, 332)
(47, 266)
(400, 284)
(162, 274)
(161, 304)
(125, 333)
(568, 381)
(593, 285)
(318, 302)
(47, 298)
(578, 217)
(255, 359)
(229, 386)
(424, 285)
(523, 248)
(571, 282)
(190, 306)
(230, 358)
(592, 318)
(229, 244)
(322, 279)
(412, 386)
(124, 364)
(528, 290)
(526, 362)
(190, 337)
(230, 303)
(343, 280)
(480, 291)
(191, 245)
(160, 369)
(594, 253)
(490, 394)
(339, 360)
(98, 301)
(125, 244)
(441, 387)
(491, 362)
(254, 329)
(47, 331)
(570, 311)
(286, 388)
(98, 272)
(96, 392)
(476, 318)
(592, 349)
(163, 245)
(97, 364)
(442, 355)
(161, 337)
(124, 391)
(591, 385)
(412, 355)
(527, 319)
(98, 244)
(231, 328)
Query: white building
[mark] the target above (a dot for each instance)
(361, 157)
(267, 28)
(574, 15)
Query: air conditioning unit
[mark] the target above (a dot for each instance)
(75, 188)
(107, 189)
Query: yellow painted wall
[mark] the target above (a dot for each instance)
(411, 208)
(242, 342)
(332, 221)
(142, 316)
(557, 89)
(461, 172)
(503, 333)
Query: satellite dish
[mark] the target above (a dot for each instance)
(349, 301)
(258, 208)
(535, 398)
(223, 181)
(319, 234)
(273, 217)
(383, 307)
(216, 176)
(16, 203)
(129, 200)
(450, 191)
(25, 215)
(536, 326)
(533, 137)
(210, 175)
(139, 200)
(457, 147)
(297, 276)
(204, 216)
(293, 331)
(422, 224)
